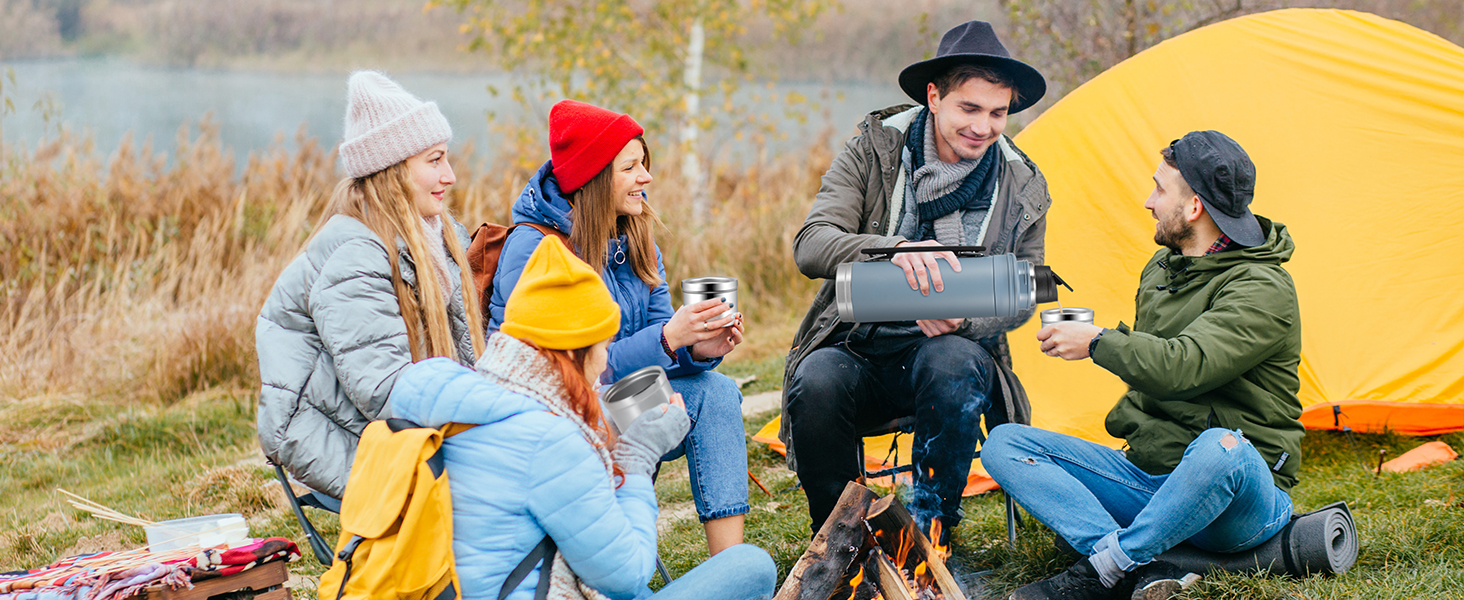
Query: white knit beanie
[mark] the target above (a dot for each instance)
(386, 125)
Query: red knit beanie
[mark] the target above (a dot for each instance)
(583, 139)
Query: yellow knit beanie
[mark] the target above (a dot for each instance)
(559, 302)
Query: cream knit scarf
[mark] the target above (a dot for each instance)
(518, 368)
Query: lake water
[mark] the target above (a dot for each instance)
(108, 98)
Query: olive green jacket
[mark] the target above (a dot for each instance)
(1216, 343)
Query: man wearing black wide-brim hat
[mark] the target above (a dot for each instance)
(940, 173)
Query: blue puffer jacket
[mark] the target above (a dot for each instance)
(524, 473)
(643, 310)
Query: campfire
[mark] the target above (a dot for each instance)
(870, 548)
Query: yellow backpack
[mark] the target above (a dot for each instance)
(396, 518)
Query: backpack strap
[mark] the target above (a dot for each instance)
(546, 230)
(482, 257)
(543, 552)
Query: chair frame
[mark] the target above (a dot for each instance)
(312, 499)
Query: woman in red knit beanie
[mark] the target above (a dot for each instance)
(593, 191)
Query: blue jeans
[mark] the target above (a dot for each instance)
(716, 447)
(1220, 498)
(742, 572)
(838, 391)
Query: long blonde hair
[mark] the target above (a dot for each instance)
(383, 201)
(596, 223)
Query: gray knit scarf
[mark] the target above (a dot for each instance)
(934, 183)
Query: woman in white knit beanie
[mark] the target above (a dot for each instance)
(382, 283)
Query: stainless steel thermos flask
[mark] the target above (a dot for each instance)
(987, 286)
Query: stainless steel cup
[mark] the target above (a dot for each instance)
(1058, 315)
(635, 394)
(698, 289)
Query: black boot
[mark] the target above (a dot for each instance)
(1160, 580)
(1078, 582)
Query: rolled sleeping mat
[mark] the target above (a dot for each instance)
(1322, 541)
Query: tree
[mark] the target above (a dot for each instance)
(651, 58)
(1072, 41)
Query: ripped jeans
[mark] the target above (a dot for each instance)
(1220, 498)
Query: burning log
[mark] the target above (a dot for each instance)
(911, 551)
(869, 549)
(827, 562)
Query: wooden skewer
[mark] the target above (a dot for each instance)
(103, 511)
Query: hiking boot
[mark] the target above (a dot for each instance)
(1160, 580)
(1078, 582)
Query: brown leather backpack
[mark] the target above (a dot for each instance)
(483, 254)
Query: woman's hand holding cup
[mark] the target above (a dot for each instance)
(722, 344)
(699, 322)
(651, 436)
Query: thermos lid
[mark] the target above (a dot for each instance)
(709, 284)
(1046, 283)
(1054, 315)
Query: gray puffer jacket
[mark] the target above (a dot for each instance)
(331, 343)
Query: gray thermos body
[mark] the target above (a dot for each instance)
(987, 286)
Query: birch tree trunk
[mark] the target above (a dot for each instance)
(691, 168)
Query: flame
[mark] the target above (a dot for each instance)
(943, 552)
(903, 544)
(854, 583)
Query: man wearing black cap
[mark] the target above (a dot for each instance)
(937, 174)
(1214, 444)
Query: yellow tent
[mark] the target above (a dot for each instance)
(1356, 126)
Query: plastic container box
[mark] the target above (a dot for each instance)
(207, 531)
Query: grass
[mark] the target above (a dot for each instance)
(129, 288)
(1411, 526)
(199, 456)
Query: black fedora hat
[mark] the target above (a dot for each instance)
(974, 42)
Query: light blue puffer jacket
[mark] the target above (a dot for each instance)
(331, 342)
(643, 309)
(524, 472)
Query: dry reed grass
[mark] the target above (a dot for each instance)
(138, 278)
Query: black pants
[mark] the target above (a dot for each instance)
(945, 381)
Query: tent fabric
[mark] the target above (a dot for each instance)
(1424, 456)
(1356, 126)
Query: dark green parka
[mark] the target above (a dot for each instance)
(1216, 342)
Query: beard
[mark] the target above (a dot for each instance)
(1173, 232)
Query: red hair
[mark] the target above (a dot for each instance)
(580, 395)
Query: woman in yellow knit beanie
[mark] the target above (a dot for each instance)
(542, 469)
(560, 303)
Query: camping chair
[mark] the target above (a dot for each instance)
(906, 425)
(312, 499)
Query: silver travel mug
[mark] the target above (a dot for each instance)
(1058, 315)
(698, 289)
(635, 394)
